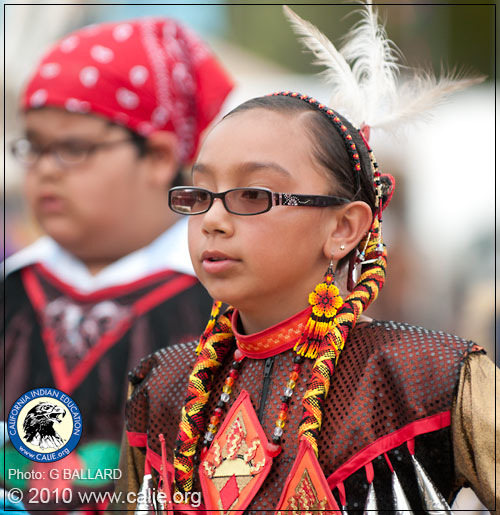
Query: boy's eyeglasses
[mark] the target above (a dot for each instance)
(243, 201)
(65, 153)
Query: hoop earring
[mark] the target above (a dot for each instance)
(325, 301)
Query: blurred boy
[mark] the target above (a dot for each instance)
(111, 115)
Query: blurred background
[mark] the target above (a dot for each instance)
(440, 227)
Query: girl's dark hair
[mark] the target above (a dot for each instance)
(329, 148)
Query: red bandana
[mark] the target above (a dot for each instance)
(149, 74)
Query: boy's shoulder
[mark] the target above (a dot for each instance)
(36, 252)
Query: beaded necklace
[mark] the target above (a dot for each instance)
(274, 447)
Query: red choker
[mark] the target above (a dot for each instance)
(272, 341)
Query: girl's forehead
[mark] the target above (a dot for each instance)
(261, 143)
(257, 133)
(258, 128)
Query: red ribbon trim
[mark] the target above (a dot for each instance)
(388, 442)
(137, 439)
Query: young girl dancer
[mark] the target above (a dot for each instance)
(296, 401)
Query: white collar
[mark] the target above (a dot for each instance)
(167, 252)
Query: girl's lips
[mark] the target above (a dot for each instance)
(216, 262)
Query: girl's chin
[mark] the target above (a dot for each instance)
(223, 296)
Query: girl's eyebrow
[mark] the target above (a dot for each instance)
(247, 167)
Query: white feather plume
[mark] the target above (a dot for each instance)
(338, 72)
(365, 74)
(374, 62)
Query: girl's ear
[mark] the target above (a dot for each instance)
(352, 223)
(162, 158)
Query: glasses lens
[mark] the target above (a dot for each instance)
(24, 151)
(72, 152)
(248, 201)
(189, 201)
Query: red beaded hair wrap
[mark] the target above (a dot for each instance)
(372, 255)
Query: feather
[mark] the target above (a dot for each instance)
(374, 61)
(338, 72)
(419, 95)
(365, 74)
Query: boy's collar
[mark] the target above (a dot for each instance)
(167, 252)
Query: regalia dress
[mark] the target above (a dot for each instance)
(81, 334)
(408, 421)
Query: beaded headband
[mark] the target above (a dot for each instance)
(337, 122)
(383, 184)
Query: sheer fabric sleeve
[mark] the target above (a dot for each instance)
(474, 430)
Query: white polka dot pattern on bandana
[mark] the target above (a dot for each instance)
(89, 76)
(69, 44)
(127, 98)
(50, 70)
(138, 75)
(102, 54)
(77, 106)
(122, 32)
(160, 116)
(38, 98)
(144, 128)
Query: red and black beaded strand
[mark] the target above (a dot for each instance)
(222, 403)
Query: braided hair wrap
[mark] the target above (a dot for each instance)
(192, 424)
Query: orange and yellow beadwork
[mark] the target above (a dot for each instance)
(325, 301)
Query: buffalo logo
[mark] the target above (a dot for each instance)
(39, 426)
(44, 424)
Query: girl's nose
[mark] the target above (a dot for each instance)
(217, 219)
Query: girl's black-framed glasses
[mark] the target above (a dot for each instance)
(189, 200)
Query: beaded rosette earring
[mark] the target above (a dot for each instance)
(325, 301)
